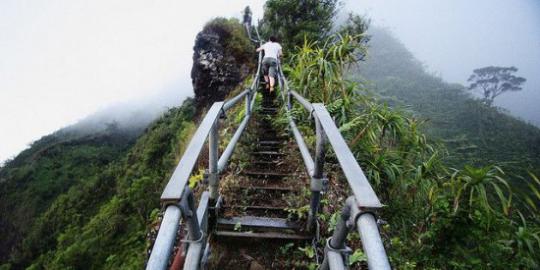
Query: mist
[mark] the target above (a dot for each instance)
(62, 61)
(452, 38)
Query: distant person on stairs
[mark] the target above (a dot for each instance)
(272, 52)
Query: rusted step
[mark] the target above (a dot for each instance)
(268, 188)
(271, 153)
(268, 132)
(264, 163)
(270, 137)
(275, 142)
(256, 207)
(263, 128)
(268, 148)
(258, 222)
(266, 174)
(265, 235)
(255, 210)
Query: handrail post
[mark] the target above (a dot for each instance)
(248, 102)
(289, 101)
(365, 222)
(213, 156)
(336, 244)
(187, 204)
(194, 255)
(318, 181)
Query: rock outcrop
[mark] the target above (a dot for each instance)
(220, 60)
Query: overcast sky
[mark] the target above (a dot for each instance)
(453, 37)
(63, 60)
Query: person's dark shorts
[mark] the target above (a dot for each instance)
(269, 66)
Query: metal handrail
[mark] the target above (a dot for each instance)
(231, 102)
(354, 211)
(179, 200)
(356, 178)
(175, 187)
(362, 190)
(177, 197)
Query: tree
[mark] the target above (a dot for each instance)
(295, 20)
(493, 81)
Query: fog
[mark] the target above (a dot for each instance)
(61, 61)
(454, 37)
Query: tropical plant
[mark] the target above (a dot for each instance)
(294, 21)
(473, 210)
(474, 188)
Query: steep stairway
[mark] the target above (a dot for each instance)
(255, 222)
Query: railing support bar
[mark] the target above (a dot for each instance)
(318, 181)
(335, 261)
(302, 100)
(226, 155)
(304, 151)
(213, 177)
(337, 242)
(289, 101)
(248, 102)
(231, 102)
(189, 214)
(195, 248)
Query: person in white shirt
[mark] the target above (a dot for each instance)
(272, 52)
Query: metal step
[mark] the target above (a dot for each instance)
(262, 164)
(267, 188)
(266, 148)
(265, 235)
(256, 207)
(257, 210)
(268, 137)
(269, 142)
(266, 174)
(271, 153)
(259, 222)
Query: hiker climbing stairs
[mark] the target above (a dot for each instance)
(248, 218)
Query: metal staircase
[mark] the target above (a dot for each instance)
(244, 227)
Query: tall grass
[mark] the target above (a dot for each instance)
(439, 217)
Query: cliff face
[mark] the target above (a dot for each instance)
(220, 60)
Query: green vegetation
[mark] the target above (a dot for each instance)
(474, 133)
(84, 199)
(493, 81)
(30, 183)
(89, 201)
(467, 217)
(101, 220)
(474, 211)
(232, 35)
(293, 21)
